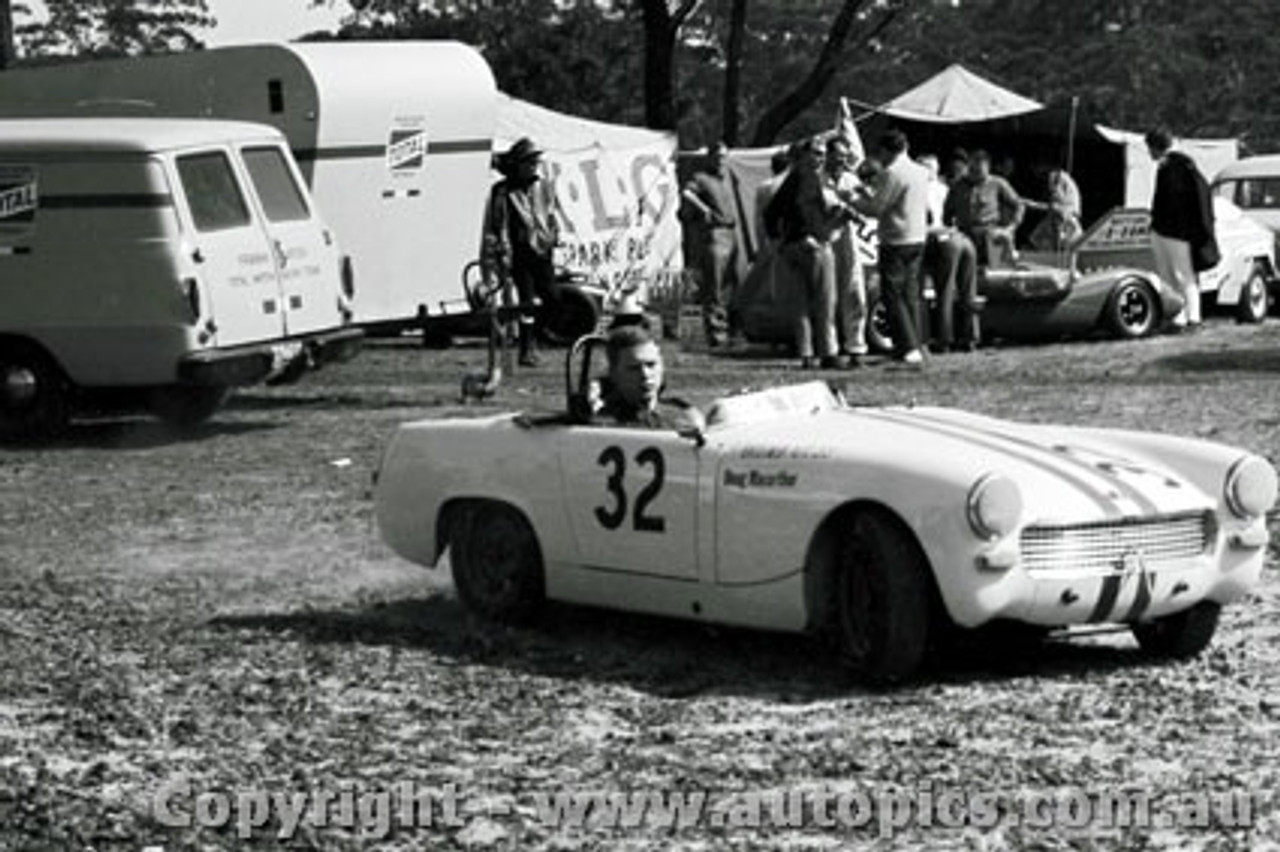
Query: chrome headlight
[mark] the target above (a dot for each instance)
(994, 506)
(1250, 487)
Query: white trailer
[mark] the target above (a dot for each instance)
(395, 139)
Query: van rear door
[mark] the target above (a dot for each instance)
(306, 258)
(239, 288)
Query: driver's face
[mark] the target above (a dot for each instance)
(637, 375)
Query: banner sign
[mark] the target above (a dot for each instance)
(619, 225)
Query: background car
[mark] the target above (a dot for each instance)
(1243, 282)
(794, 511)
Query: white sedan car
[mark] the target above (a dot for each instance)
(795, 511)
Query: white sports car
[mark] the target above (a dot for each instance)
(792, 510)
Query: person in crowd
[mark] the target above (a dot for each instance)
(987, 209)
(631, 393)
(1182, 226)
(937, 189)
(801, 216)
(709, 206)
(778, 165)
(1061, 223)
(521, 231)
(900, 203)
(850, 282)
(951, 261)
(956, 168)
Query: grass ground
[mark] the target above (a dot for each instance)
(217, 610)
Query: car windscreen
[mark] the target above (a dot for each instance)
(1256, 193)
(212, 191)
(282, 198)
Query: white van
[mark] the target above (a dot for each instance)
(393, 138)
(156, 262)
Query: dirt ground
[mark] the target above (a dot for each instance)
(215, 612)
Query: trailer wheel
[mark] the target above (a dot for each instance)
(187, 405)
(35, 396)
(568, 316)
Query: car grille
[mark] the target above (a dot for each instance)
(1104, 544)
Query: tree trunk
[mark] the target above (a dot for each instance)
(7, 50)
(795, 102)
(661, 27)
(733, 73)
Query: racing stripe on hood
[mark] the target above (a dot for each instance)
(1133, 494)
(1094, 487)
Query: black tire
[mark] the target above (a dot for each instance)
(1254, 298)
(879, 333)
(35, 396)
(884, 594)
(570, 315)
(497, 563)
(1179, 636)
(1133, 310)
(187, 405)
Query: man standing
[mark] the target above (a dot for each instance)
(520, 235)
(1182, 225)
(802, 215)
(987, 209)
(900, 203)
(709, 205)
(851, 287)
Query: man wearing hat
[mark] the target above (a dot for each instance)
(520, 234)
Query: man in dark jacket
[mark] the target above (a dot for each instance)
(1182, 237)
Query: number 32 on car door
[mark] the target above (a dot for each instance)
(631, 496)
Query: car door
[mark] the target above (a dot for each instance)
(302, 248)
(239, 288)
(631, 495)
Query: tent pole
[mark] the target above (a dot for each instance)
(1071, 135)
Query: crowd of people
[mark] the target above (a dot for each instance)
(936, 223)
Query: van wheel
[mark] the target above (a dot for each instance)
(1252, 307)
(883, 608)
(187, 405)
(35, 397)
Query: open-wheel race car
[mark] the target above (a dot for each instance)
(792, 510)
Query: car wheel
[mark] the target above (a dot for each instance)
(187, 405)
(884, 595)
(497, 564)
(1181, 635)
(1252, 307)
(1133, 310)
(879, 332)
(569, 316)
(34, 394)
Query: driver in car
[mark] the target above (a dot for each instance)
(631, 393)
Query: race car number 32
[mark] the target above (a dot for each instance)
(615, 513)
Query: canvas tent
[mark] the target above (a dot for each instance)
(617, 187)
(959, 109)
(956, 95)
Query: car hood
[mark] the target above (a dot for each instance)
(1066, 475)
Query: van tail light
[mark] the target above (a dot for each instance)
(348, 277)
(191, 287)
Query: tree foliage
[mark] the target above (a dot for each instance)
(114, 27)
